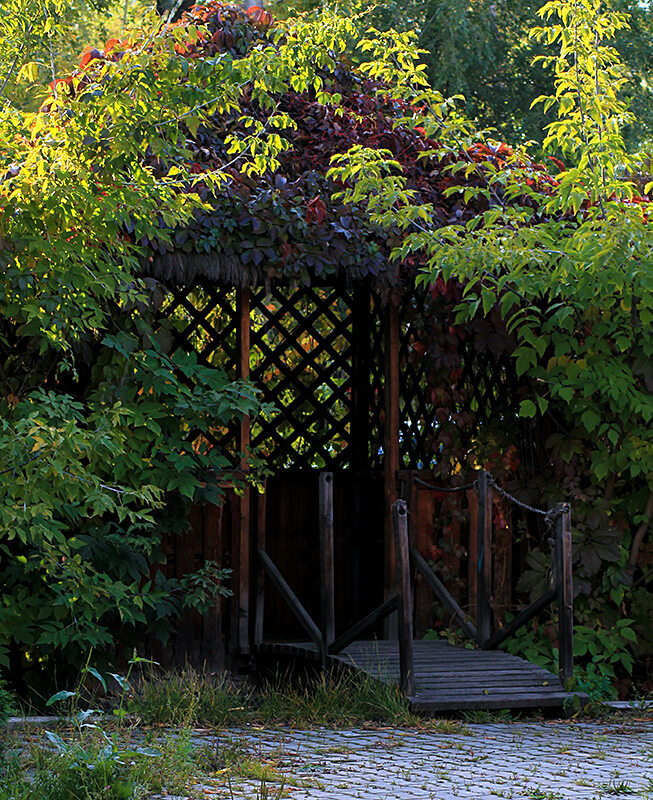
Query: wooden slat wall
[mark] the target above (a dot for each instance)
(292, 541)
(201, 640)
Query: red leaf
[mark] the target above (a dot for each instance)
(315, 211)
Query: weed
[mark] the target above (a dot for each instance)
(186, 697)
(336, 698)
(7, 705)
(622, 787)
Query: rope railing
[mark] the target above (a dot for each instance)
(426, 485)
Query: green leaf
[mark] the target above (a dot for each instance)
(527, 408)
(56, 698)
(92, 671)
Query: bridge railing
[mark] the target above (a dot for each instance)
(557, 519)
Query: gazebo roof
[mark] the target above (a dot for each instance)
(286, 224)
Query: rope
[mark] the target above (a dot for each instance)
(514, 500)
(549, 516)
(420, 482)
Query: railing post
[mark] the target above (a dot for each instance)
(402, 556)
(327, 585)
(565, 591)
(484, 557)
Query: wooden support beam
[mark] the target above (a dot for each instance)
(390, 447)
(443, 595)
(565, 592)
(521, 619)
(327, 582)
(241, 551)
(406, 660)
(291, 599)
(259, 602)
(363, 625)
(484, 558)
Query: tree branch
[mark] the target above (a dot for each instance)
(641, 532)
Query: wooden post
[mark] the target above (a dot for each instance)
(241, 553)
(327, 584)
(402, 553)
(484, 558)
(565, 592)
(259, 607)
(390, 451)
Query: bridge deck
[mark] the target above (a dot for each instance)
(448, 678)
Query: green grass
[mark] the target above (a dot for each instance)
(334, 699)
(91, 765)
(132, 758)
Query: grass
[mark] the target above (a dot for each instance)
(90, 764)
(129, 758)
(338, 698)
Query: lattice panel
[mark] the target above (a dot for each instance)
(300, 357)
(487, 384)
(377, 382)
(416, 412)
(204, 321)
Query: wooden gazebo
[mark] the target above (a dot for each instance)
(287, 287)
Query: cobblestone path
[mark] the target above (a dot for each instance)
(541, 761)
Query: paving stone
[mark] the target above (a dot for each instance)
(540, 761)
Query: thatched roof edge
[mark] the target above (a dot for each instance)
(183, 269)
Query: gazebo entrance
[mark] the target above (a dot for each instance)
(313, 549)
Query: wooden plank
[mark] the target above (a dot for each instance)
(484, 558)
(443, 595)
(502, 564)
(451, 508)
(472, 548)
(259, 602)
(450, 678)
(242, 544)
(565, 593)
(327, 581)
(212, 641)
(492, 704)
(188, 545)
(422, 505)
(364, 625)
(404, 593)
(391, 392)
(292, 601)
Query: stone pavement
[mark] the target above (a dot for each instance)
(537, 760)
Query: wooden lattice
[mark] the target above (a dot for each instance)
(318, 354)
(415, 408)
(204, 321)
(377, 383)
(301, 357)
(487, 386)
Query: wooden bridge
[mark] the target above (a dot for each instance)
(434, 675)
